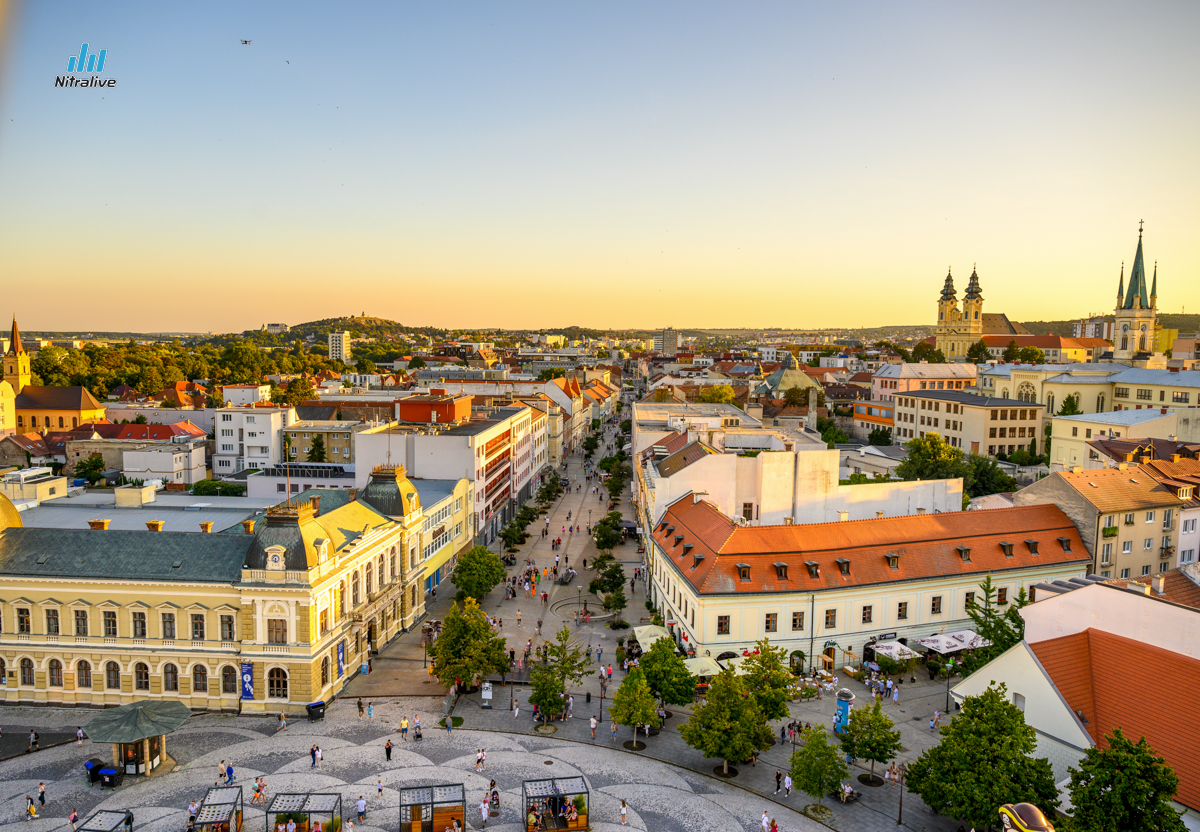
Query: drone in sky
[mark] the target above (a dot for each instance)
(245, 43)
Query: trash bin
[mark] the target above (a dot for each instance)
(316, 710)
(111, 777)
(92, 768)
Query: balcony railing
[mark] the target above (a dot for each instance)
(1166, 551)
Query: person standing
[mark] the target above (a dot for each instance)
(320, 756)
(624, 820)
(895, 695)
(787, 785)
(387, 750)
(370, 710)
(42, 794)
(592, 725)
(360, 709)
(312, 752)
(766, 822)
(612, 729)
(404, 728)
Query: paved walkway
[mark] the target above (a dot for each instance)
(878, 808)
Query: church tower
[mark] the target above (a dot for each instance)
(948, 337)
(1136, 330)
(973, 310)
(16, 362)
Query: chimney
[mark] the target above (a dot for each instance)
(353, 494)
(154, 525)
(1174, 457)
(920, 511)
(843, 516)
(1076, 469)
(1145, 458)
(248, 526)
(316, 504)
(99, 525)
(1160, 584)
(879, 515)
(206, 527)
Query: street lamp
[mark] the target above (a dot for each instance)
(900, 772)
(949, 667)
(580, 596)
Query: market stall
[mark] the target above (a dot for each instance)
(138, 732)
(108, 821)
(555, 803)
(648, 634)
(703, 668)
(947, 643)
(312, 812)
(432, 808)
(221, 810)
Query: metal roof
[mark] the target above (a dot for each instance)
(1123, 418)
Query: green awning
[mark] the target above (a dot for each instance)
(137, 721)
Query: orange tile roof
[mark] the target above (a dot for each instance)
(1111, 489)
(673, 442)
(1178, 588)
(1093, 670)
(926, 546)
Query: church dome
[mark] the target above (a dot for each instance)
(10, 518)
(390, 493)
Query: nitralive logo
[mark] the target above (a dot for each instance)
(95, 63)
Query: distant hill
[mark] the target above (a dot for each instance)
(1186, 324)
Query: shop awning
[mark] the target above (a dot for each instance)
(650, 633)
(894, 650)
(702, 666)
(953, 642)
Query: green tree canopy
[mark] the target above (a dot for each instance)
(1012, 352)
(364, 366)
(879, 436)
(478, 570)
(1002, 625)
(566, 659)
(615, 601)
(718, 394)
(986, 477)
(932, 458)
(606, 537)
(984, 760)
(552, 373)
(417, 363)
(316, 451)
(1070, 406)
(297, 391)
(547, 690)
(1031, 355)
(91, 469)
(633, 704)
(729, 725)
(669, 680)
(869, 735)
(794, 397)
(978, 353)
(925, 351)
(818, 767)
(767, 676)
(468, 648)
(1123, 786)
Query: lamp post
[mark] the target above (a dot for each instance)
(580, 597)
(949, 668)
(901, 769)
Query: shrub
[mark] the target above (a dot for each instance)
(618, 624)
(460, 596)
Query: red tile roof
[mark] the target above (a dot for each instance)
(674, 442)
(160, 432)
(31, 443)
(926, 546)
(1178, 588)
(1094, 671)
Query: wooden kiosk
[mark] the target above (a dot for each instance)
(433, 808)
(308, 810)
(108, 821)
(551, 803)
(221, 810)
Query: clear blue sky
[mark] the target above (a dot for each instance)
(611, 165)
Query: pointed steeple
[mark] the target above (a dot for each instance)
(1121, 286)
(973, 290)
(948, 292)
(1154, 288)
(1137, 280)
(14, 345)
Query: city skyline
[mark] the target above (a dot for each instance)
(533, 166)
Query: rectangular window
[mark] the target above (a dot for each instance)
(722, 625)
(1180, 398)
(1168, 518)
(139, 625)
(797, 621)
(935, 606)
(1106, 552)
(1127, 547)
(866, 614)
(23, 622)
(970, 599)
(197, 627)
(771, 624)
(1125, 573)
(1147, 544)
(226, 628)
(277, 631)
(168, 625)
(902, 610)
(1149, 516)
(1143, 394)
(1002, 595)
(1019, 701)
(52, 622)
(830, 619)
(748, 511)
(110, 623)
(1146, 569)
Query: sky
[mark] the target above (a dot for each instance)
(615, 165)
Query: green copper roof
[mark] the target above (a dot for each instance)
(974, 292)
(1137, 280)
(948, 292)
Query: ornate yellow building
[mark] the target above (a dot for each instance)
(1135, 333)
(957, 329)
(277, 613)
(43, 409)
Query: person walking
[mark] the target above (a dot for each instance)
(766, 822)
(787, 785)
(379, 790)
(42, 794)
(312, 752)
(612, 729)
(624, 819)
(79, 736)
(404, 729)
(387, 751)
(778, 780)
(73, 818)
(361, 806)
(483, 812)
(516, 709)
(360, 709)
(282, 726)
(518, 618)
(370, 710)
(229, 775)
(320, 756)
(896, 695)
(592, 725)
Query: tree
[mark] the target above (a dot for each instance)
(567, 661)
(794, 397)
(91, 468)
(767, 677)
(984, 760)
(606, 537)
(416, 363)
(364, 366)
(986, 477)
(615, 601)
(552, 373)
(817, 767)
(1070, 406)
(718, 394)
(297, 391)
(1123, 786)
(931, 458)
(868, 735)
(879, 436)
(1003, 625)
(317, 449)
(925, 351)
(467, 648)
(978, 353)
(666, 675)
(1012, 352)
(831, 432)
(1031, 355)
(729, 725)
(477, 571)
(548, 690)
(633, 704)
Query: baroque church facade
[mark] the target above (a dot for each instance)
(959, 328)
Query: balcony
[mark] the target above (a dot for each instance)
(1110, 531)
(1166, 551)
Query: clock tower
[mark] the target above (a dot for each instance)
(1135, 333)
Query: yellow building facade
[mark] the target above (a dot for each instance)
(40, 408)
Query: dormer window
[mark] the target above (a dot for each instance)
(1065, 542)
(678, 539)
(893, 560)
(687, 548)
(696, 558)
(1006, 547)
(844, 565)
(814, 568)
(1033, 546)
(1185, 493)
(964, 552)
(743, 572)
(670, 529)
(781, 571)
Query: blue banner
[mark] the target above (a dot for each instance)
(341, 659)
(247, 680)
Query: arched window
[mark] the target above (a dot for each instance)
(1050, 403)
(170, 677)
(379, 569)
(26, 671)
(55, 668)
(141, 677)
(47, 421)
(277, 683)
(1100, 403)
(61, 423)
(74, 421)
(354, 589)
(112, 676)
(229, 680)
(341, 600)
(1026, 392)
(200, 679)
(324, 671)
(83, 675)
(367, 575)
